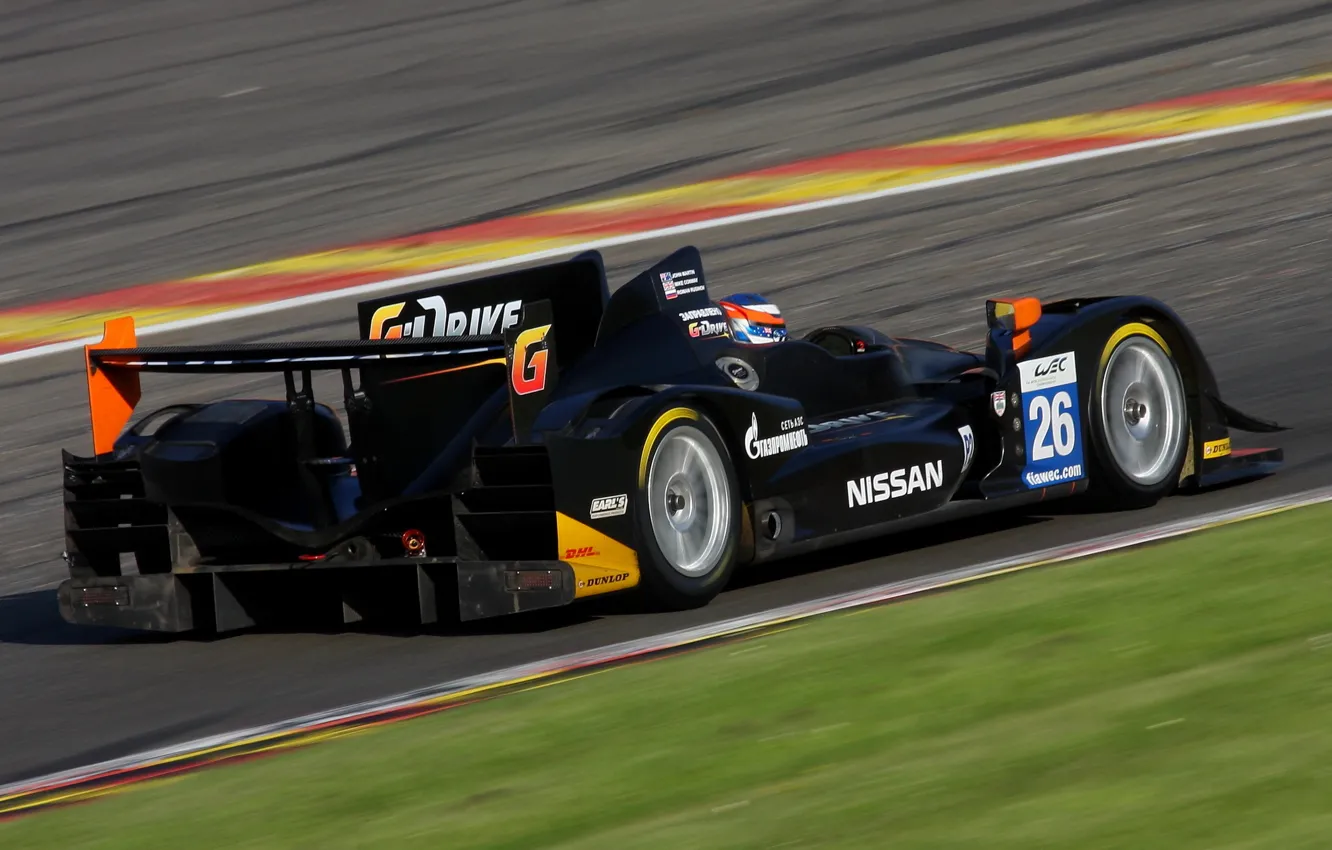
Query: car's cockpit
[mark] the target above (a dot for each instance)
(843, 367)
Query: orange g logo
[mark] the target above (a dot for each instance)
(382, 315)
(529, 374)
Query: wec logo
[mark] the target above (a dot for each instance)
(1051, 366)
(479, 321)
(1044, 372)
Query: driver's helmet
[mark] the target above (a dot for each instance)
(754, 319)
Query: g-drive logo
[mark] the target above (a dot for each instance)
(479, 321)
(705, 329)
(711, 324)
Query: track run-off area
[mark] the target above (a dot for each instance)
(90, 782)
(1195, 170)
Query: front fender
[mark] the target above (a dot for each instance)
(1085, 327)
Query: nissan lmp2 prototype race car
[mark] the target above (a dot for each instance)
(528, 439)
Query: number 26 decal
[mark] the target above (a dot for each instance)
(1053, 420)
(1050, 405)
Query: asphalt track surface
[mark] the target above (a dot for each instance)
(128, 164)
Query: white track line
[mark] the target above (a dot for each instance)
(684, 637)
(659, 233)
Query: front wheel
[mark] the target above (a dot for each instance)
(1140, 419)
(689, 510)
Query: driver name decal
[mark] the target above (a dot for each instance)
(675, 284)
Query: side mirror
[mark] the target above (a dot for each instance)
(1015, 316)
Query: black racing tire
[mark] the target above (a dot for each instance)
(1139, 420)
(689, 511)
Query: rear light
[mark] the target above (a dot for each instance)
(99, 596)
(519, 580)
(413, 542)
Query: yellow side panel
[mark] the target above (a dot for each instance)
(600, 563)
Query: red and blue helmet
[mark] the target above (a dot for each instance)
(754, 320)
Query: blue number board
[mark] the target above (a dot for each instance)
(1053, 420)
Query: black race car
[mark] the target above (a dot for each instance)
(529, 439)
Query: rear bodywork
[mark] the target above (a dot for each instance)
(495, 444)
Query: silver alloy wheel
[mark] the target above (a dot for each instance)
(689, 501)
(1143, 414)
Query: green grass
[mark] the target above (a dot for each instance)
(1176, 696)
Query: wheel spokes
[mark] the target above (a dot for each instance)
(1142, 411)
(688, 502)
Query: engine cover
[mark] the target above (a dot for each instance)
(241, 453)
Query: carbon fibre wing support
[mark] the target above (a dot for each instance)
(113, 365)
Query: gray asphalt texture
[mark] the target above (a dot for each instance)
(148, 140)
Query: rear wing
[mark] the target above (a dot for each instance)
(411, 399)
(114, 364)
(431, 362)
(286, 356)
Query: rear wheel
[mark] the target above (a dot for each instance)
(689, 510)
(1140, 419)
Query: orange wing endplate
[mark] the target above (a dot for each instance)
(112, 391)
